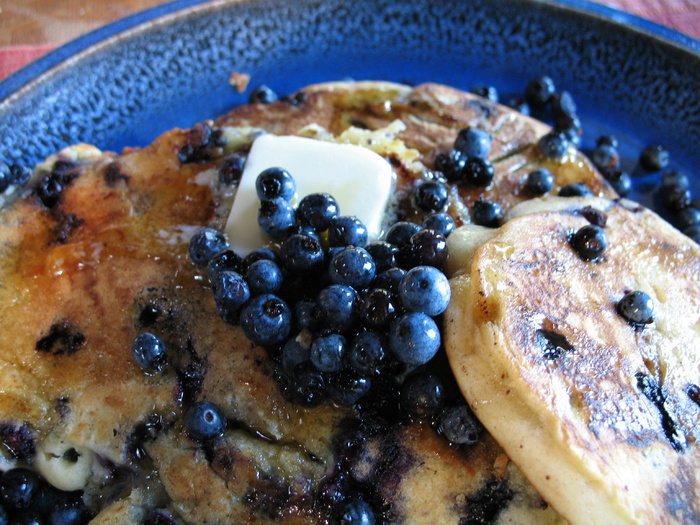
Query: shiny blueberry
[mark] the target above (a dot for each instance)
(366, 352)
(226, 260)
(347, 387)
(539, 91)
(620, 181)
(477, 172)
(262, 95)
(317, 210)
(488, 92)
(590, 242)
(337, 306)
(275, 183)
(383, 254)
(487, 213)
(301, 254)
(377, 307)
(563, 104)
(295, 351)
(149, 351)
(430, 196)
(675, 178)
(553, 145)
(327, 352)
(231, 169)
(205, 244)
(414, 338)
(347, 231)
(654, 157)
(570, 127)
(400, 233)
(426, 247)
(260, 253)
(606, 158)
(459, 426)
(357, 512)
(72, 511)
(204, 421)
(425, 289)
(693, 232)
(539, 181)
(309, 385)
(352, 266)
(575, 189)
(450, 164)
(276, 217)
(422, 396)
(231, 291)
(19, 488)
(518, 103)
(19, 174)
(306, 315)
(440, 222)
(266, 320)
(637, 307)
(473, 142)
(264, 277)
(607, 139)
(389, 279)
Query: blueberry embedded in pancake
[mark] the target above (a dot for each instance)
(589, 392)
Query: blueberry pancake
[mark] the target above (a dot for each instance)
(573, 333)
(96, 252)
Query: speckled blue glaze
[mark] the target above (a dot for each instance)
(126, 83)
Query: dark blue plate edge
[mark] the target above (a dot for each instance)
(13, 84)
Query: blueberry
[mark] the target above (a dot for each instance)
(606, 158)
(158, 517)
(304, 229)
(261, 253)
(426, 247)
(27, 517)
(450, 164)
(262, 95)
(347, 387)
(675, 198)
(488, 92)
(296, 350)
(539, 181)
(72, 511)
(540, 91)
(263, 277)
(590, 242)
(317, 210)
(390, 279)
(414, 338)
(19, 488)
(275, 183)
(4, 519)
(518, 103)
(575, 189)
(4, 176)
(400, 233)
(693, 232)
(352, 266)
(309, 385)
(459, 426)
(553, 145)
(266, 320)
(327, 352)
(431, 195)
(570, 127)
(620, 181)
(307, 315)
(205, 244)
(20, 175)
(473, 142)
(654, 157)
(336, 304)
(440, 222)
(637, 307)
(425, 289)
(563, 104)
(422, 396)
(383, 254)
(205, 421)
(357, 512)
(675, 178)
(487, 213)
(231, 169)
(231, 292)
(347, 231)
(226, 260)
(149, 351)
(687, 217)
(301, 254)
(377, 307)
(276, 217)
(477, 172)
(607, 139)
(365, 353)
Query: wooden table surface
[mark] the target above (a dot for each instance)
(54, 22)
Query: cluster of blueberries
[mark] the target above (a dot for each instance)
(27, 499)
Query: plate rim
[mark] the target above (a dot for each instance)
(70, 52)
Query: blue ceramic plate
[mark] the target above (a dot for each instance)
(170, 66)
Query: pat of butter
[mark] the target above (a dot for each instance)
(359, 179)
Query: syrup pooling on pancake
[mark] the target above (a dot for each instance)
(98, 254)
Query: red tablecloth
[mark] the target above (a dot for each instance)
(681, 15)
